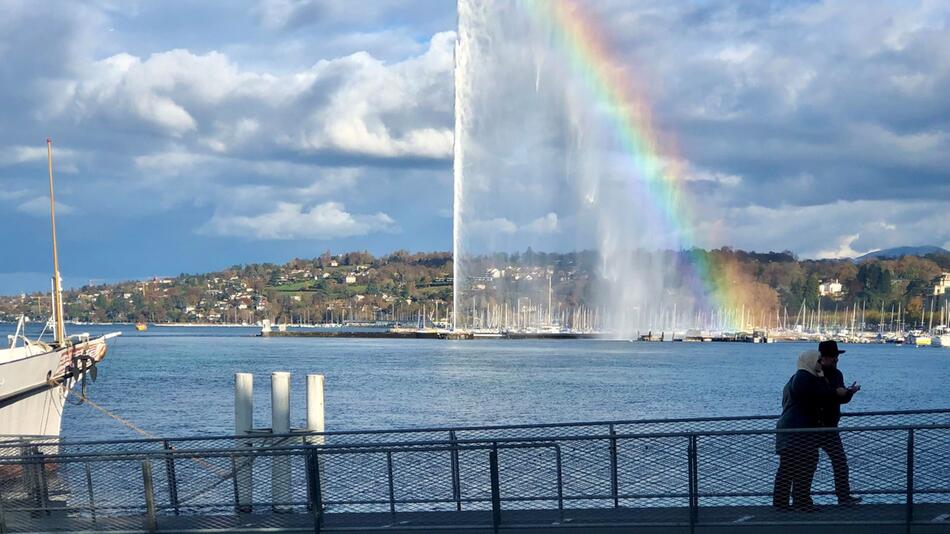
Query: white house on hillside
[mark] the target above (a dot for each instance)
(830, 288)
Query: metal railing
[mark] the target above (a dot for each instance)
(546, 475)
(11, 446)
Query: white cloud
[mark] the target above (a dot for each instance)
(548, 224)
(836, 229)
(39, 207)
(843, 250)
(293, 221)
(488, 227)
(356, 105)
(171, 162)
(63, 158)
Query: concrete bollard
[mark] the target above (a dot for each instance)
(243, 425)
(315, 407)
(315, 414)
(280, 417)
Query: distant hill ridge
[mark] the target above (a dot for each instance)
(898, 252)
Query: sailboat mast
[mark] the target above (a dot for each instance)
(57, 285)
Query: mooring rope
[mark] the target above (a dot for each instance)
(125, 422)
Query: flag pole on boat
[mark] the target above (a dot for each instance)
(57, 285)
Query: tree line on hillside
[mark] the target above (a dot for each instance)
(358, 286)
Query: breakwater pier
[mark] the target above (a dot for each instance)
(662, 475)
(429, 334)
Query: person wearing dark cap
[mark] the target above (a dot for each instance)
(802, 400)
(830, 442)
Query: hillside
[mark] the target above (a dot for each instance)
(402, 286)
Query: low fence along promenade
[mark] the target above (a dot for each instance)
(686, 475)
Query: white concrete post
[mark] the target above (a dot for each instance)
(315, 415)
(243, 424)
(280, 417)
(315, 407)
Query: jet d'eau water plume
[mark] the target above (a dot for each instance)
(555, 150)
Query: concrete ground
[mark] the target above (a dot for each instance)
(876, 519)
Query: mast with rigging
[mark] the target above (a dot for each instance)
(60, 332)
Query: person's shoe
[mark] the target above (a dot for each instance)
(850, 500)
(781, 507)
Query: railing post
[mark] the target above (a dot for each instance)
(314, 491)
(392, 489)
(560, 484)
(92, 495)
(495, 489)
(456, 476)
(692, 456)
(3, 521)
(239, 507)
(614, 479)
(172, 478)
(151, 520)
(37, 478)
(910, 478)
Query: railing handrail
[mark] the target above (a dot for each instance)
(441, 444)
(446, 429)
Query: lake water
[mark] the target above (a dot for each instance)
(179, 381)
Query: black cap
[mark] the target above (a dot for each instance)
(829, 348)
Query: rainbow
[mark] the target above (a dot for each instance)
(580, 38)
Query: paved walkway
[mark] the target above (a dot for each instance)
(879, 519)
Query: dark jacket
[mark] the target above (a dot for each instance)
(803, 398)
(831, 411)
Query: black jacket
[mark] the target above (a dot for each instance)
(803, 398)
(831, 411)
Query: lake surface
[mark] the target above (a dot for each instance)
(175, 381)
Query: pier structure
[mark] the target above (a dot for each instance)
(670, 475)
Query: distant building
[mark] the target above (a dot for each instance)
(942, 284)
(349, 279)
(831, 288)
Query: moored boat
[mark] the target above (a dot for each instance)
(918, 339)
(37, 376)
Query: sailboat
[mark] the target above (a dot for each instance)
(36, 376)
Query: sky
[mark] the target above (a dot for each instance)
(191, 136)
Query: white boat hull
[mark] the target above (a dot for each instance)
(33, 389)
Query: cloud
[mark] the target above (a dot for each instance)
(547, 224)
(490, 227)
(64, 159)
(39, 207)
(835, 229)
(844, 249)
(293, 221)
(350, 106)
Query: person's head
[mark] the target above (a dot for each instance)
(829, 354)
(810, 361)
